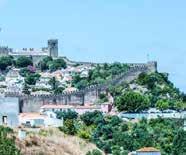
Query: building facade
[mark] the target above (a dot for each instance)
(9, 111)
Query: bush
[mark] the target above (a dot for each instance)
(69, 127)
(84, 134)
(7, 144)
(94, 152)
(103, 98)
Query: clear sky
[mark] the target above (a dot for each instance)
(102, 30)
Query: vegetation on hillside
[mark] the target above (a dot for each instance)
(7, 143)
(151, 90)
(48, 63)
(112, 135)
(6, 61)
(51, 141)
(99, 75)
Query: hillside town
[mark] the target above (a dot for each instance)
(40, 90)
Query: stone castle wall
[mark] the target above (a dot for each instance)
(32, 103)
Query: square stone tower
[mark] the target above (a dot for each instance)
(53, 47)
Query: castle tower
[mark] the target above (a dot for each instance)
(152, 66)
(53, 47)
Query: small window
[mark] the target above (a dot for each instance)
(4, 119)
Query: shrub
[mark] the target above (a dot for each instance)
(94, 152)
(7, 144)
(84, 134)
(69, 127)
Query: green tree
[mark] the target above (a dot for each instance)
(23, 62)
(91, 118)
(54, 83)
(24, 72)
(179, 143)
(59, 90)
(31, 79)
(82, 84)
(44, 64)
(162, 104)
(56, 64)
(5, 61)
(103, 98)
(132, 102)
(69, 114)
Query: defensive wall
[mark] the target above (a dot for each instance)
(32, 103)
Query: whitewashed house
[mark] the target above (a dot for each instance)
(9, 111)
(39, 120)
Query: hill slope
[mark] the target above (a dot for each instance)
(53, 142)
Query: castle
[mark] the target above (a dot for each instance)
(35, 54)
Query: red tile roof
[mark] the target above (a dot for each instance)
(148, 149)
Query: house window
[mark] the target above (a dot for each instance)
(4, 120)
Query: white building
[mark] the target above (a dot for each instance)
(9, 111)
(39, 120)
(105, 108)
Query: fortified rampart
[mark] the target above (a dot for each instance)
(32, 103)
(151, 65)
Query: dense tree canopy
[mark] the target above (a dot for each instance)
(112, 135)
(69, 114)
(5, 61)
(48, 63)
(44, 64)
(23, 62)
(132, 102)
(179, 143)
(92, 117)
(99, 75)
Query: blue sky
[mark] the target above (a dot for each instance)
(102, 30)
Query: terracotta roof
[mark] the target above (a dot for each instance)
(148, 149)
(31, 116)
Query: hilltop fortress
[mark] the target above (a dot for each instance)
(52, 50)
(31, 103)
(35, 54)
